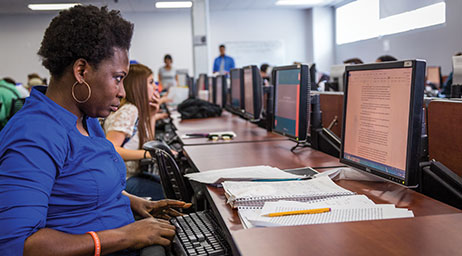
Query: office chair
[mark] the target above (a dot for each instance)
(171, 178)
(16, 105)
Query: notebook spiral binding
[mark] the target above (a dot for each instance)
(258, 202)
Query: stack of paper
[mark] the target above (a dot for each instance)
(242, 174)
(343, 209)
(257, 193)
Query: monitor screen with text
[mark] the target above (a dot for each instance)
(377, 119)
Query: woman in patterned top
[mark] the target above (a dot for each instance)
(134, 124)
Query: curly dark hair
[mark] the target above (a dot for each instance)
(86, 32)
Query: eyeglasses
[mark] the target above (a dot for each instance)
(224, 136)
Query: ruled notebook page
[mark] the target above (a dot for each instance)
(343, 209)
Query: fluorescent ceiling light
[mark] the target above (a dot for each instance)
(51, 7)
(180, 4)
(299, 2)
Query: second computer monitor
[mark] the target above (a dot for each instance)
(382, 121)
(434, 76)
(236, 90)
(252, 92)
(220, 90)
(291, 101)
(211, 87)
(202, 82)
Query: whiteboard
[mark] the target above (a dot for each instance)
(247, 53)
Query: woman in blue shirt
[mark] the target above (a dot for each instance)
(59, 177)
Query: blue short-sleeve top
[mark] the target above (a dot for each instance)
(52, 176)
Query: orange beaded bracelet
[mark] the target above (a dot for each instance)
(97, 242)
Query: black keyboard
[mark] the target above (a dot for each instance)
(198, 234)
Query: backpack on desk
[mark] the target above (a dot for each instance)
(196, 108)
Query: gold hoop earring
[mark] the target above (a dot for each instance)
(73, 94)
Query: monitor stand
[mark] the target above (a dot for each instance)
(439, 182)
(300, 144)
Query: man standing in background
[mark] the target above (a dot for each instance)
(223, 63)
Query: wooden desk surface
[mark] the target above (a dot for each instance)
(245, 131)
(379, 192)
(434, 231)
(200, 124)
(429, 235)
(273, 153)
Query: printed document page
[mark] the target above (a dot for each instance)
(241, 174)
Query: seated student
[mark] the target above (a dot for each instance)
(8, 93)
(61, 181)
(446, 88)
(385, 58)
(264, 74)
(353, 61)
(134, 124)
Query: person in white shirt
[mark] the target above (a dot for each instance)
(167, 74)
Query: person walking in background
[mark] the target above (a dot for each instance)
(223, 63)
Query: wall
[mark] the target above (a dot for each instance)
(435, 44)
(154, 36)
(20, 40)
(157, 34)
(164, 32)
(293, 27)
(323, 37)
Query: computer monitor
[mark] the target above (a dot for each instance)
(434, 76)
(202, 82)
(220, 90)
(314, 85)
(252, 92)
(182, 77)
(192, 88)
(457, 70)
(211, 87)
(382, 123)
(236, 90)
(291, 101)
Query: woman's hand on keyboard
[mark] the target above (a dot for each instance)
(165, 208)
(149, 231)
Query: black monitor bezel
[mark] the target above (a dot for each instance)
(223, 90)
(241, 93)
(415, 119)
(304, 101)
(192, 88)
(257, 90)
(212, 93)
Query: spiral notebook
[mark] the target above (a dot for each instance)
(343, 209)
(255, 194)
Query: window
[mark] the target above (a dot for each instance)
(361, 20)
